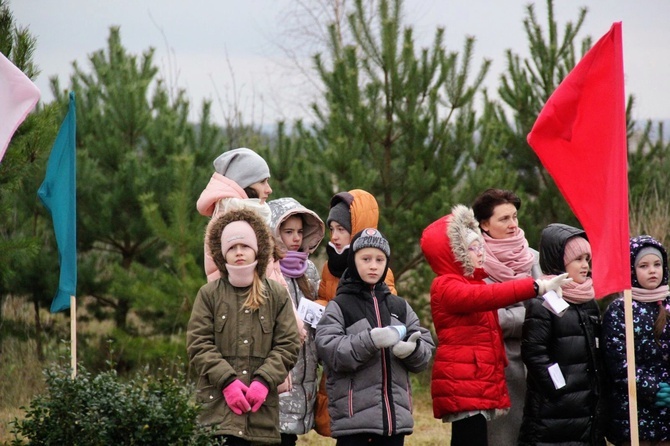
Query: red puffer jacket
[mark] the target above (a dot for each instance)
(469, 369)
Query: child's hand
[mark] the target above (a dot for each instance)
(405, 348)
(387, 336)
(234, 394)
(553, 284)
(663, 395)
(256, 395)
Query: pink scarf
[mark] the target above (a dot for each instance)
(241, 275)
(294, 264)
(508, 258)
(577, 293)
(655, 295)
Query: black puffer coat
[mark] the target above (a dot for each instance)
(572, 414)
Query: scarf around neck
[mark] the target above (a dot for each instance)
(655, 295)
(294, 264)
(337, 262)
(241, 275)
(577, 293)
(508, 258)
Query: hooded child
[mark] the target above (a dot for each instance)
(242, 339)
(649, 279)
(297, 232)
(369, 340)
(562, 353)
(468, 379)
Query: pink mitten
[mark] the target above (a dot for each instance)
(256, 395)
(234, 395)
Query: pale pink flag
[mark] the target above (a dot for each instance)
(18, 96)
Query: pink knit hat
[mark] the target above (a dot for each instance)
(575, 247)
(237, 232)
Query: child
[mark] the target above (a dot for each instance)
(565, 348)
(468, 380)
(362, 342)
(649, 277)
(242, 338)
(240, 180)
(350, 212)
(298, 232)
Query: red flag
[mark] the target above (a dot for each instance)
(580, 138)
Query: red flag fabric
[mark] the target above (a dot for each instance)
(580, 138)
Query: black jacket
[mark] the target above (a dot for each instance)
(571, 415)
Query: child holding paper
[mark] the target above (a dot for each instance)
(649, 279)
(369, 341)
(297, 232)
(561, 353)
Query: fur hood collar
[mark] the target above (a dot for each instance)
(265, 243)
(444, 243)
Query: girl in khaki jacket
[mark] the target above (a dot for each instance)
(242, 337)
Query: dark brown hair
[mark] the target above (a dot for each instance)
(487, 201)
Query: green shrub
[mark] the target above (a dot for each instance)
(101, 410)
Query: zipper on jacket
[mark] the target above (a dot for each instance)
(351, 398)
(385, 371)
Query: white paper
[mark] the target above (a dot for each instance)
(310, 311)
(555, 303)
(556, 376)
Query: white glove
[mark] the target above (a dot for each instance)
(553, 284)
(405, 348)
(387, 336)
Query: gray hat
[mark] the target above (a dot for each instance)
(648, 250)
(243, 166)
(372, 238)
(341, 214)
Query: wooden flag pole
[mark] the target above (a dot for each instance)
(73, 336)
(630, 359)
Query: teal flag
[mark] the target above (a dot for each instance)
(58, 194)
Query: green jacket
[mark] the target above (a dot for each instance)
(226, 342)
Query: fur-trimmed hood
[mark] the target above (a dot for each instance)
(444, 243)
(265, 241)
(313, 229)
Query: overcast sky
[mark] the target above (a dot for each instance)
(233, 51)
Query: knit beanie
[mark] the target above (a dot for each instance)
(471, 236)
(648, 250)
(238, 232)
(341, 214)
(372, 238)
(575, 247)
(243, 166)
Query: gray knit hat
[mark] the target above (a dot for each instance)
(372, 238)
(243, 166)
(341, 214)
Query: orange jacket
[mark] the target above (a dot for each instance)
(364, 214)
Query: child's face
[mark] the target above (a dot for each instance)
(263, 189)
(503, 223)
(290, 232)
(476, 253)
(578, 269)
(370, 264)
(339, 236)
(240, 255)
(649, 272)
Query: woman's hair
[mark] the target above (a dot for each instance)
(251, 192)
(489, 199)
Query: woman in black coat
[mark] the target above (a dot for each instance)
(569, 345)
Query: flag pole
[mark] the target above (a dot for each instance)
(73, 336)
(630, 359)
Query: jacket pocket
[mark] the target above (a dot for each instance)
(220, 322)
